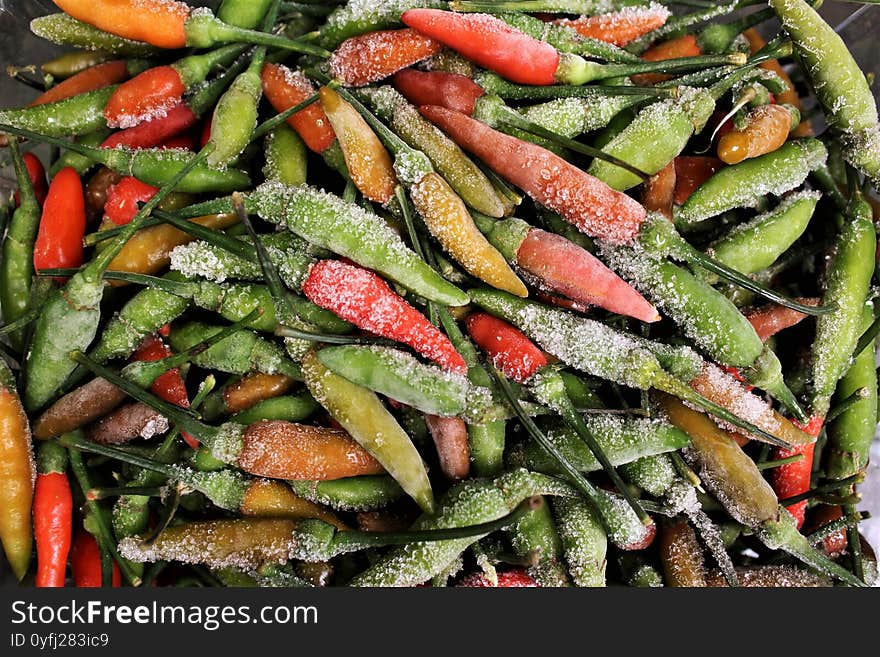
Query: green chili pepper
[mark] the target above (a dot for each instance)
(240, 353)
(286, 156)
(653, 474)
(746, 183)
(243, 13)
(535, 532)
(17, 264)
(757, 244)
(849, 278)
(400, 376)
(838, 81)
(292, 408)
(77, 115)
(361, 413)
(64, 30)
(584, 541)
(623, 439)
(349, 20)
(366, 493)
(850, 435)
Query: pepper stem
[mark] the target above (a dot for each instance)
(845, 404)
(768, 465)
(270, 124)
(818, 491)
(331, 338)
(214, 237)
(361, 539)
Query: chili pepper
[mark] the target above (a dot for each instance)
(770, 319)
(77, 408)
(612, 355)
(767, 129)
(53, 511)
(123, 197)
(691, 172)
(848, 279)
(85, 563)
(91, 79)
(624, 440)
(285, 157)
(242, 394)
(451, 441)
(743, 184)
(535, 532)
(851, 433)
(16, 268)
(71, 63)
(401, 377)
(450, 90)
(351, 494)
(681, 555)
(658, 190)
(361, 413)
(755, 245)
(350, 20)
(74, 116)
(466, 503)
(566, 268)
(285, 89)
(465, 178)
(621, 27)
(66, 30)
(96, 191)
(366, 159)
(171, 24)
(170, 385)
(17, 471)
(834, 74)
(62, 224)
(369, 57)
(37, 175)
(518, 57)
(361, 297)
(289, 408)
(243, 13)
(547, 178)
(583, 539)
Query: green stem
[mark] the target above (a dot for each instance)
(270, 124)
(330, 338)
(847, 403)
(825, 488)
(104, 493)
(767, 465)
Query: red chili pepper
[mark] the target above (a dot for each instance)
(621, 27)
(85, 563)
(285, 89)
(489, 42)
(186, 141)
(691, 171)
(53, 517)
(508, 347)
(772, 318)
(123, 198)
(205, 135)
(794, 478)
(149, 95)
(96, 77)
(62, 223)
(582, 200)
(374, 56)
(37, 175)
(683, 46)
(566, 268)
(450, 90)
(364, 299)
(153, 133)
(169, 386)
(514, 578)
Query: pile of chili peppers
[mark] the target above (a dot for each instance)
(415, 292)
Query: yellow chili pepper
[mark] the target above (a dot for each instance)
(449, 221)
(273, 499)
(17, 476)
(767, 129)
(369, 163)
